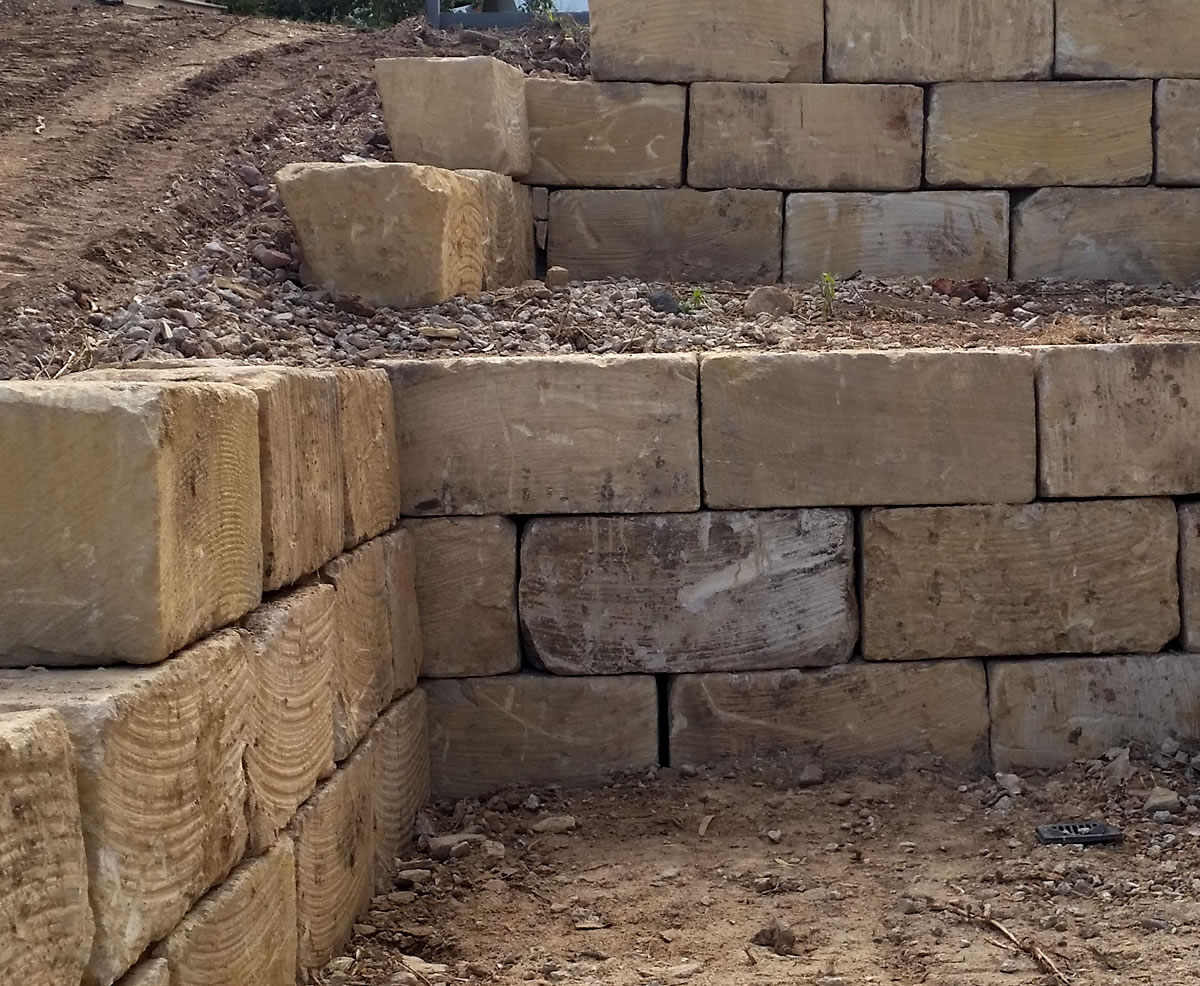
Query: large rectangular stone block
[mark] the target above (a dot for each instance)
(1118, 420)
(1040, 133)
(508, 255)
(675, 234)
(1177, 131)
(530, 729)
(844, 713)
(370, 462)
(131, 520)
(864, 428)
(664, 41)
(403, 235)
(404, 620)
(753, 135)
(1136, 235)
(1083, 577)
(1109, 39)
(162, 792)
(719, 591)
(400, 739)
(1189, 575)
(938, 40)
(467, 595)
(571, 434)
(45, 920)
(244, 931)
(455, 112)
(605, 134)
(896, 234)
(1049, 713)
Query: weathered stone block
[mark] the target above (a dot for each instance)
(370, 462)
(1124, 234)
(896, 234)
(45, 921)
(938, 40)
(488, 733)
(753, 135)
(1177, 131)
(131, 520)
(720, 591)
(661, 41)
(400, 739)
(1082, 577)
(863, 428)
(455, 112)
(669, 234)
(570, 434)
(507, 230)
(150, 972)
(1040, 133)
(162, 793)
(244, 931)
(843, 713)
(402, 235)
(541, 203)
(467, 595)
(404, 620)
(1189, 575)
(1049, 713)
(1107, 39)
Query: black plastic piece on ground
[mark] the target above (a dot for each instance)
(1078, 834)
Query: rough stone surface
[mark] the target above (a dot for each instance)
(1081, 577)
(529, 729)
(1189, 575)
(844, 713)
(867, 428)
(508, 255)
(1147, 39)
(455, 112)
(131, 519)
(370, 462)
(722, 591)
(555, 435)
(400, 739)
(1040, 133)
(896, 234)
(670, 234)
(938, 40)
(768, 41)
(151, 972)
(1177, 131)
(402, 235)
(45, 920)
(541, 203)
(1049, 713)
(795, 136)
(404, 621)
(467, 595)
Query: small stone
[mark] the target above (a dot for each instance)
(492, 849)
(1010, 782)
(438, 332)
(532, 803)
(1162, 817)
(775, 836)
(767, 299)
(413, 878)
(555, 824)
(366, 930)
(249, 174)
(271, 259)
(810, 775)
(352, 304)
(1004, 804)
(663, 301)
(558, 278)
(1163, 799)
(832, 981)
(840, 798)
(1009, 966)
(1170, 746)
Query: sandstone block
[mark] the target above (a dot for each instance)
(938, 41)
(1177, 131)
(843, 713)
(244, 931)
(1082, 577)
(508, 230)
(1135, 235)
(400, 739)
(541, 203)
(45, 920)
(1118, 420)
(567, 434)
(720, 591)
(1048, 713)
(670, 234)
(1189, 575)
(455, 112)
(151, 972)
(753, 135)
(862, 428)
(404, 620)
(467, 595)
(158, 757)
(896, 234)
(370, 462)
(402, 235)
(1040, 133)
(1148, 39)
(488, 733)
(131, 521)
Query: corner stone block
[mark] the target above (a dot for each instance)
(1106, 40)
(867, 428)
(401, 235)
(1085, 577)
(1189, 575)
(45, 919)
(455, 112)
(400, 739)
(489, 733)
(1048, 713)
(752, 135)
(404, 620)
(370, 462)
(131, 522)
(896, 234)
(150, 972)
(569, 434)
(720, 591)
(467, 595)
(664, 41)
(508, 256)
(162, 792)
(669, 234)
(843, 713)
(1177, 131)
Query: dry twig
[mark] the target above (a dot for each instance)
(1028, 946)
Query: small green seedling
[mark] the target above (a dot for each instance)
(828, 294)
(695, 301)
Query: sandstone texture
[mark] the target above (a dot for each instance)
(404, 620)
(1177, 131)
(1189, 575)
(400, 740)
(1147, 39)
(370, 462)
(508, 255)
(150, 972)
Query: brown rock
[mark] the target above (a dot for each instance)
(271, 259)
(150, 972)
(370, 462)
(404, 622)
(400, 738)
(508, 230)
(1149, 39)
(558, 278)
(766, 299)
(1177, 131)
